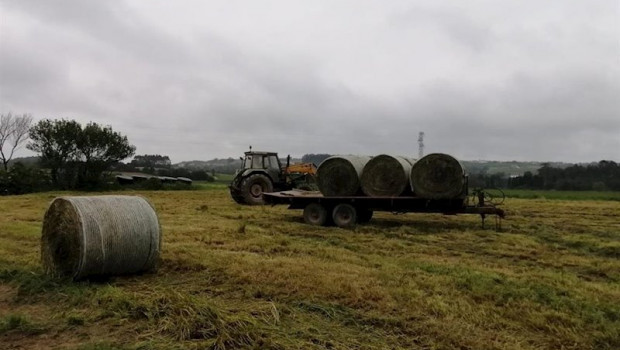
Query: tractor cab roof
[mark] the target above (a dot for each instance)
(259, 153)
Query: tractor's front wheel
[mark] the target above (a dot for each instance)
(253, 187)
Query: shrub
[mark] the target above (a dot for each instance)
(20, 179)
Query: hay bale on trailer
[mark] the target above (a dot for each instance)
(386, 175)
(340, 175)
(100, 235)
(437, 176)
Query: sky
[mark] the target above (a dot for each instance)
(484, 80)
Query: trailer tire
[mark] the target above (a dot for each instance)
(344, 215)
(364, 215)
(315, 214)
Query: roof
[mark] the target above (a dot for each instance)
(261, 153)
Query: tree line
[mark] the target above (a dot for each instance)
(601, 176)
(73, 156)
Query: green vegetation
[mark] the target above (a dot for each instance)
(77, 156)
(563, 195)
(241, 277)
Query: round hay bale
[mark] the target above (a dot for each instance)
(100, 235)
(386, 176)
(340, 175)
(437, 176)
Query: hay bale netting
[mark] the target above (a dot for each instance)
(437, 176)
(340, 175)
(100, 235)
(386, 175)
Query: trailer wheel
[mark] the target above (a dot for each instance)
(363, 215)
(315, 214)
(344, 215)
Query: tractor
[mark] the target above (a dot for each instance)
(263, 172)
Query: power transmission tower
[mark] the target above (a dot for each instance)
(421, 144)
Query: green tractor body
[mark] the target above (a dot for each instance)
(263, 172)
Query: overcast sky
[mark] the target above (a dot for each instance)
(493, 80)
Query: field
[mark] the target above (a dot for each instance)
(238, 277)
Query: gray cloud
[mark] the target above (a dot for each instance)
(516, 80)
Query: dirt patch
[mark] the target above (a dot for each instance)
(7, 293)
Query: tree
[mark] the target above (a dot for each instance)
(77, 156)
(98, 148)
(151, 160)
(55, 141)
(13, 134)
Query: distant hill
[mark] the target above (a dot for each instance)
(511, 168)
(230, 165)
(222, 166)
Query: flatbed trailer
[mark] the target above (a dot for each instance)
(347, 211)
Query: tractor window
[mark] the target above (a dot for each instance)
(267, 162)
(248, 162)
(273, 162)
(257, 163)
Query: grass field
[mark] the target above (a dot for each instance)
(564, 195)
(238, 277)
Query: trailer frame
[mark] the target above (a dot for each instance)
(361, 207)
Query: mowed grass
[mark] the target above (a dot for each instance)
(240, 277)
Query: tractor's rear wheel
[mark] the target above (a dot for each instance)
(253, 187)
(344, 215)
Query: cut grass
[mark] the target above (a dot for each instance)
(19, 323)
(240, 277)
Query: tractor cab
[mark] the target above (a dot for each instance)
(263, 161)
(262, 172)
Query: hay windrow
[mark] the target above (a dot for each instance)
(386, 175)
(340, 175)
(101, 235)
(437, 176)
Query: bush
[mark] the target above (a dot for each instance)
(20, 179)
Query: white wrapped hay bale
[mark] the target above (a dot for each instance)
(438, 176)
(340, 175)
(386, 176)
(100, 235)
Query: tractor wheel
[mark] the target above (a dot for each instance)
(344, 215)
(315, 214)
(236, 196)
(253, 187)
(363, 215)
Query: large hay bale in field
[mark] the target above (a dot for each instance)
(340, 175)
(386, 175)
(100, 235)
(437, 176)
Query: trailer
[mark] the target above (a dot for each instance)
(347, 211)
